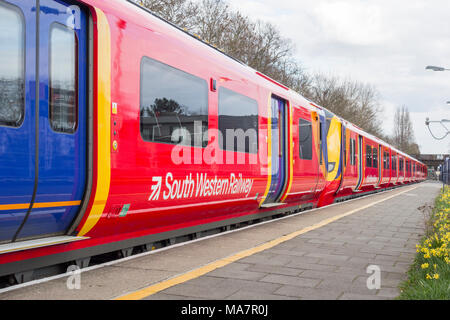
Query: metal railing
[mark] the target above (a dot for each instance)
(445, 172)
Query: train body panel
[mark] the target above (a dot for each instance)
(155, 150)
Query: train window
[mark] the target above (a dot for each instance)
(375, 158)
(354, 152)
(305, 139)
(350, 151)
(238, 121)
(344, 145)
(12, 66)
(173, 105)
(387, 160)
(320, 143)
(368, 156)
(63, 80)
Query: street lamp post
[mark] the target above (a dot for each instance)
(443, 121)
(434, 68)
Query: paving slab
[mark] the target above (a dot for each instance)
(384, 235)
(329, 262)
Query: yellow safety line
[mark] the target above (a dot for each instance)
(140, 294)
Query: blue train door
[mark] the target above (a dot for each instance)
(17, 113)
(57, 137)
(278, 150)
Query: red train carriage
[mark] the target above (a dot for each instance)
(147, 135)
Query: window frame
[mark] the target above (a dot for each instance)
(350, 151)
(369, 157)
(299, 138)
(77, 79)
(223, 146)
(16, 9)
(375, 157)
(206, 87)
(354, 152)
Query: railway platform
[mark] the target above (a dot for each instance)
(358, 249)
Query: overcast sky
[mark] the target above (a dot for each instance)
(384, 43)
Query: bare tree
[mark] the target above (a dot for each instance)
(403, 137)
(261, 46)
(179, 12)
(351, 100)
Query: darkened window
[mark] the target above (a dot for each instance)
(344, 152)
(238, 122)
(174, 105)
(375, 158)
(305, 139)
(353, 151)
(320, 143)
(368, 156)
(394, 163)
(63, 79)
(12, 66)
(387, 160)
(350, 151)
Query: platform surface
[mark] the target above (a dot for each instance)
(320, 254)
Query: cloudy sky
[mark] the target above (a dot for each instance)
(386, 43)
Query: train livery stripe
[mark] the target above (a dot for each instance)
(269, 150)
(103, 123)
(290, 150)
(17, 206)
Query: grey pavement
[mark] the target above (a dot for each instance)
(327, 263)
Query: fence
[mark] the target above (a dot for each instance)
(445, 172)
